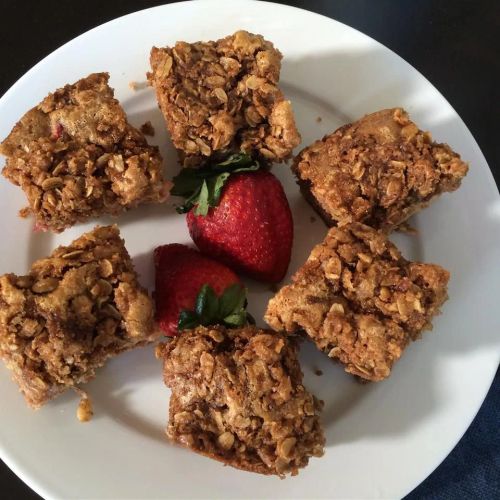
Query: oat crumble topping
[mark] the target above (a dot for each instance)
(222, 96)
(359, 300)
(70, 313)
(379, 170)
(76, 156)
(237, 397)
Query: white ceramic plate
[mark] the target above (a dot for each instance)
(382, 439)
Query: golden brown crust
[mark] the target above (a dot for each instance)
(359, 300)
(237, 397)
(73, 311)
(75, 156)
(221, 96)
(379, 170)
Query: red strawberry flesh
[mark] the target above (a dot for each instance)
(57, 130)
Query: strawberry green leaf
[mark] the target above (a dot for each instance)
(187, 320)
(220, 180)
(233, 299)
(186, 182)
(237, 319)
(201, 299)
(228, 309)
(237, 160)
(203, 202)
(189, 203)
(252, 168)
(202, 187)
(207, 305)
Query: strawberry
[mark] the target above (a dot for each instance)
(239, 216)
(57, 130)
(192, 289)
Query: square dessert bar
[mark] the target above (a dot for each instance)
(359, 300)
(237, 397)
(222, 96)
(73, 311)
(76, 156)
(379, 170)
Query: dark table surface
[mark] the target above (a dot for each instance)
(453, 43)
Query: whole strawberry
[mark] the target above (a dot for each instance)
(242, 218)
(193, 290)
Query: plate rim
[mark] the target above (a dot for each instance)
(8, 457)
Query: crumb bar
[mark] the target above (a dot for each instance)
(237, 397)
(379, 170)
(359, 300)
(76, 156)
(222, 96)
(73, 311)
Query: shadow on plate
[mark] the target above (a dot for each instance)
(113, 391)
(40, 244)
(144, 266)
